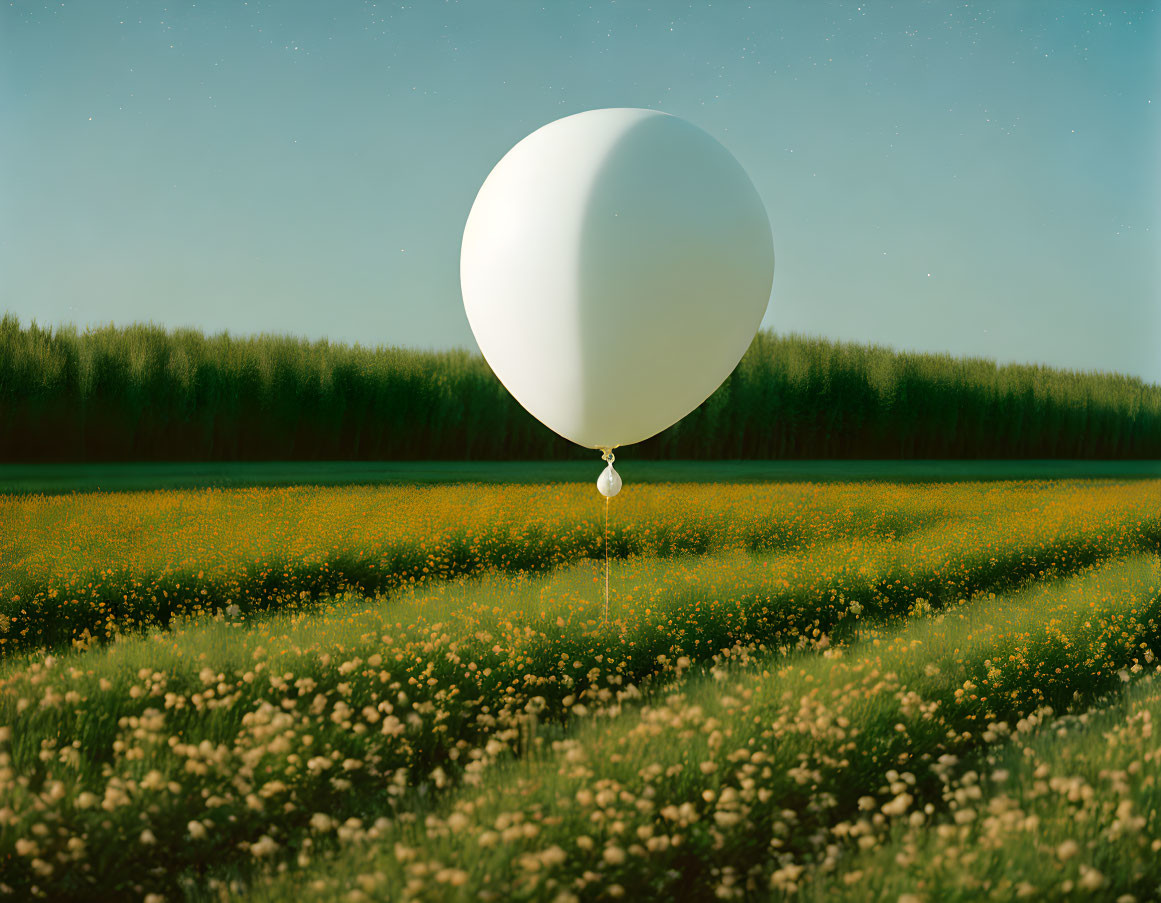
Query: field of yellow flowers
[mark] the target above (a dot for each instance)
(858, 691)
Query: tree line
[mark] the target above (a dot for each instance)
(144, 393)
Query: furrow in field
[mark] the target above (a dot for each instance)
(740, 783)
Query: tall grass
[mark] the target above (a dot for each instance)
(142, 393)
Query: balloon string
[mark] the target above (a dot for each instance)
(606, 558)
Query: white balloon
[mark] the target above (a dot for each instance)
(615, 266)
(609, 482)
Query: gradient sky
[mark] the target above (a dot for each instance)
(975, 178)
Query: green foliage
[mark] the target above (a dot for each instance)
(142, 393)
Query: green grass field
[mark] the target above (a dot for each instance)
(122, 477)
(883, 687)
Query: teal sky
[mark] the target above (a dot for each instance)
(974, 178)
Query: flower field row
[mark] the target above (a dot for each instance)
(772, 777)
(86, 567)
(253, 724)
(363, 709)
(1075, 812)
(95, 565)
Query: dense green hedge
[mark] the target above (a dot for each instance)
(142, 393)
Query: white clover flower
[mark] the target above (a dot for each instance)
(1067, 850)
(457, 821)
(899, 805)
(454, 877)
(320, 821)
